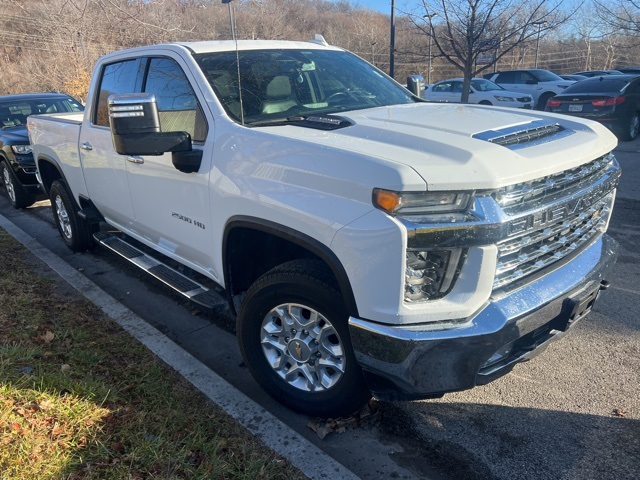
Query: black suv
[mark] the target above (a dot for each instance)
(17, 167)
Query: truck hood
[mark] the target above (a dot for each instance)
(452, 147)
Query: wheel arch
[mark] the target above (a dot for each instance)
(253, 246)
(49, 172)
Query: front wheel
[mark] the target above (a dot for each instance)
(544, 98)
(293, 333)
(74, 230)
(16, 194)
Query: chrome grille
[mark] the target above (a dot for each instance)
(547, 188)
(526, 254)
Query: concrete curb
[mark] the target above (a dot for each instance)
(311, 460)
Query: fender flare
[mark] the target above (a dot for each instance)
(51, 161)
(305, 241)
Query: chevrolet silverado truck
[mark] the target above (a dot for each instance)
(369, 242)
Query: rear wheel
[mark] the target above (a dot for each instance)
(633, 128)
(74, 230)
(292, 329)
(16, 194)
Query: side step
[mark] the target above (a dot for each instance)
(194, 291)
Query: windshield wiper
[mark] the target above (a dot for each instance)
(317, 121)
(275, 121)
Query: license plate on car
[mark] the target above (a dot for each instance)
(575, 108)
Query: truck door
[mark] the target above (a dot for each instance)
(104, 170)
(172, 208)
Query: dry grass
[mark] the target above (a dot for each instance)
(80, 399)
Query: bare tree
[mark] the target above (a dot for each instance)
(622, 15)
(473, 35)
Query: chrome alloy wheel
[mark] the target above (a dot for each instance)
(8, 183)
(302, 347)
(63, 218)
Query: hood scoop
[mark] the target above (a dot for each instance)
(526, 135)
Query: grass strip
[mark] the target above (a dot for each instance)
(81, 399)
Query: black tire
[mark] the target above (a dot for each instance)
(542, 100)
(307, 292)
(16, 194)
(485, 102)
(76, 233)
(633, 127)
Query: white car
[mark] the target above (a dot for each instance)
(481, 91)
(540, 84)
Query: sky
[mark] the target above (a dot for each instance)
(383, 6)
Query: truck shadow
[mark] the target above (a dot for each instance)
(494, 442)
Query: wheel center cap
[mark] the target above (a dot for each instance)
(299, 350)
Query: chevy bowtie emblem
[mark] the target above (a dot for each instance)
(298, 349)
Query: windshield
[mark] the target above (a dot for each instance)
(286, 83)
(15, 112)
(480, 85)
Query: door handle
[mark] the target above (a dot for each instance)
(86, 146)
(135, 159)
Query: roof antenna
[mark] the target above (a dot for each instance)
(232, 19)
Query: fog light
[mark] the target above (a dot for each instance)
(430, 275)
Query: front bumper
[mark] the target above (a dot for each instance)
(413, 362)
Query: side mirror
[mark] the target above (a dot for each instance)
(415, 84)
(135, 130)
(135, 127)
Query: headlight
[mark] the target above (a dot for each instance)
(430, 274)
(21, 149)
(422, 203)
(500, 98)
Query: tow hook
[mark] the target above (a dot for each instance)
(604, 284)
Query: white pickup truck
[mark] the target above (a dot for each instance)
(369, 242)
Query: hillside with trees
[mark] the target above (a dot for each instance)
(51, 45)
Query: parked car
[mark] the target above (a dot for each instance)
(597, 73)
(17, 167)
(481, 91)
(540, 84)
(630, 70)
(613, 100)
(573, 77)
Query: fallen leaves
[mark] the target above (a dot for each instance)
(48, 337)
(323, 427)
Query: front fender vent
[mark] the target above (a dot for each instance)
(527, 135)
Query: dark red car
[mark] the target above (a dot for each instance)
(613, 100)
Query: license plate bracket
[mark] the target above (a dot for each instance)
(576, 308)
(575, 108)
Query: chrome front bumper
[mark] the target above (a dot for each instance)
(412, 362)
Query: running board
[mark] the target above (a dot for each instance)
(185, 286)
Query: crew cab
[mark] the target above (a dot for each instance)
(369, 242)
